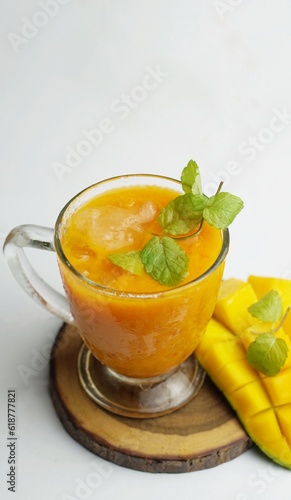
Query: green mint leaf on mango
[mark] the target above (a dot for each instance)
(165, 260)
(269, 308)
(190, 178)
(182, 214)
(267, 354)
(222, 209)
(130, 261)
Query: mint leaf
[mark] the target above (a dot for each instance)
(222, 209)
(182, 214)
(185, 212)
(191, 206)
(267, 354)
(268, 308)
(190, 178)
(165, 260)
(130, 261)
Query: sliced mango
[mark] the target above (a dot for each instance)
(215, 331)
(283, 413)
(250, 399)
(263, 285)
(279, 388)
(235, 296)
(235, 375)
(226, 348)
(262, 403)
(264, 426)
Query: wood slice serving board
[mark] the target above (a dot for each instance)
(202, 434)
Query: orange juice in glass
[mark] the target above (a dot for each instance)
(138, 334)
(142, 332)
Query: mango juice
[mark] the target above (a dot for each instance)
(133, 324)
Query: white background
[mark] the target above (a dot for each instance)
(223, 81)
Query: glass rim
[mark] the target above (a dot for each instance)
(119, 293)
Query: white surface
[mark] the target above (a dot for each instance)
(225, 74)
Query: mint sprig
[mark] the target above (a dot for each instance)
(183, 214)
(222, 209)
(165, 260)
(268, 353)
(129, 261)
(268, 308)
(190, 178)
(162, 257)
(186, 212)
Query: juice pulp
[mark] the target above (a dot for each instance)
(150, 333)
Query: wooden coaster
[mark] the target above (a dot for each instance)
(202, 434)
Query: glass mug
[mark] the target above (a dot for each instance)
(137, 356)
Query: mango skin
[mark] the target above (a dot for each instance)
(263, 404)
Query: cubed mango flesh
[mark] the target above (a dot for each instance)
(279, 388)
(262, 403)
(262, 285)
(283, 414)
(235, 296)
(250, 399)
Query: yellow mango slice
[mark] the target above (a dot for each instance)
(266, 432)
(234, 298)
(279, 388)
(262, 403)
(265, 427)
(219, 347)
(215, 332)
(235, 375)
(278, 450)
(223, 353)
(283, 414)
(250, 399)
(263, 285)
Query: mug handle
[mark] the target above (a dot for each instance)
(40, 237)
